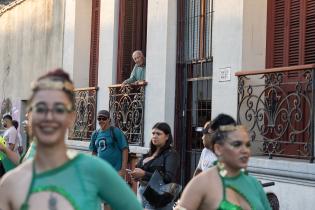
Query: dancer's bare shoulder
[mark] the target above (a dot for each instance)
(202, 192)
(14, 186)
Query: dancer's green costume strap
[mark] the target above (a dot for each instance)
(247, 187)
(84, 182)
(30, 153)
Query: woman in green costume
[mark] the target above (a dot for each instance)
(226, 186)
(55, 179)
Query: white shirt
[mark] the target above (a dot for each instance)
(10, 136)
(206, 160)
(20, 139)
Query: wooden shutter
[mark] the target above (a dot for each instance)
(124, 42)
(275, 33)
(290, 33)
(293, 30)
(310, 32)
(132, 34)
(94, 51)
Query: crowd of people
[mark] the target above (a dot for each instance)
(13, 142)
(49, 176)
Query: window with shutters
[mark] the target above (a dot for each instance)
(132, 34)
(290, 42)
(290, 33)
(95, 31)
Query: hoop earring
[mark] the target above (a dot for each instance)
(244, 171)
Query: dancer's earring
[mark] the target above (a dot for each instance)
(244, 171)
(222, 170)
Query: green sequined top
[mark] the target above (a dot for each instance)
(82, 183)
(249, 188)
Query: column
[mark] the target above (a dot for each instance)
(160, 64)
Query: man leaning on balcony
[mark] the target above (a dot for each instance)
(138, 73)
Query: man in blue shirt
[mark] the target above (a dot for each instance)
(109, 143)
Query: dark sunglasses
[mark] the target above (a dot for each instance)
(203, 130)
(102, 118)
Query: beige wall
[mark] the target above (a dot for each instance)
(239, 42)
(77, 40)
(254, 34)
(160, 65)
(254, 51)
(227, 54)
(108, 47)
(31, 37)
(31, 42)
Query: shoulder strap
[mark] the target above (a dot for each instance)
(112, 133)
(25, 204)
(223, 185)
(95, 134)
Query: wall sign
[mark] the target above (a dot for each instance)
(225, 74)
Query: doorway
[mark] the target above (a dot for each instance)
(194, 80)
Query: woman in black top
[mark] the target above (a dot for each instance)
(161, 157)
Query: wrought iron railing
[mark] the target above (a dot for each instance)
(126, 105)
(277, 106)
(85, 108)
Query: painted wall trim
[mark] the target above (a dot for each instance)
(10, 6)
(301, 172)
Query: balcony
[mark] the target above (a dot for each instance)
(126, 106)
(277, 107)
(85, 108)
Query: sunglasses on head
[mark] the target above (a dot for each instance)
(204, 130)
(102, 118)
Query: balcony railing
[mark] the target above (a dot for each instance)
(126, 105)
(85, 108)
(277, 106)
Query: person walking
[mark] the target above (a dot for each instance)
(19, 147)
(207, 157)
(30, 149)
(10, 134)
(109, 143)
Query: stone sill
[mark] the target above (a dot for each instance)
(84, 147)
(283, 167)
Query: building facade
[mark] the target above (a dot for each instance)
(197, 54)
